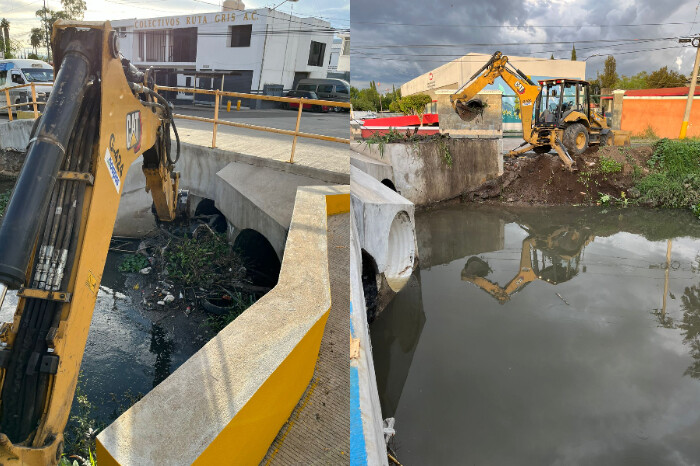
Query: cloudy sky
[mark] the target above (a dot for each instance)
(443, 30)
(21, 13)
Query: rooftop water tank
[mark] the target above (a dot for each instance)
(230, 5)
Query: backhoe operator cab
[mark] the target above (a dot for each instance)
(565, 104)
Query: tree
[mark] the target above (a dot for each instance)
(573, 53)
(663, 77)
(637, 81)
(552, 57)
(5, 26)
(48, 17)
(413, 104)
(74, 9)
(36, 38)
(608, 79)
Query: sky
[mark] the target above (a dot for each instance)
(21, 13)
(381, 32)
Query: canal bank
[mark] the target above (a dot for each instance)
(588, 357)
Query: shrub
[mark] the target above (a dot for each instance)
(609, 165)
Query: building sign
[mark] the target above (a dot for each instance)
(196, 20)
(431, 83)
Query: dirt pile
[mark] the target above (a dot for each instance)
(543, 180)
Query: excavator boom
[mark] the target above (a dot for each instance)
(56, 232)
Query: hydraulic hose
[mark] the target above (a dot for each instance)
(32, 193)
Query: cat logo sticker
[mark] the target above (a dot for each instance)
(133, 131)
(519, 87)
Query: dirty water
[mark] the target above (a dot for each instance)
(127, 352)
(555, 335)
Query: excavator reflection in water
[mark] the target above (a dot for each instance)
(553, 258)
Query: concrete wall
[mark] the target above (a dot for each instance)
(239, 184)
(487, 124)
(664, 115)
(226, 404)
(423, 176)
(14, 135)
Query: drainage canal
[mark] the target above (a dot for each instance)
(151, 316)
(545, 336)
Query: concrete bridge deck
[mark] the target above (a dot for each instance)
(318, 431)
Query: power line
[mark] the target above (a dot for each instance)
(510, 44)
(516, 26)
(377, 57)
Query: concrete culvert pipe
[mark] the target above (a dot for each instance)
(470, 109)
(401, 251)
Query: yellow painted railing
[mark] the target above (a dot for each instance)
(33, 103)
(216, 121)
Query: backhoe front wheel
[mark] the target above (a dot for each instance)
(575, 139)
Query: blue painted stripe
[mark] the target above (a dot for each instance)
(358, 449)
(352, 328)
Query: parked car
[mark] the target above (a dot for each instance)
(327, 89)
(306, 95)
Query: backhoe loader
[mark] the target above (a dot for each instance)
(556, 114)
(55, 235)
(553, 258)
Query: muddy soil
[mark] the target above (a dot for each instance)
(543, 180)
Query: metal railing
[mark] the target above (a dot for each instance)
(33, 102)
(216, 121)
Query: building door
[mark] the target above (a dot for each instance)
(298, 76)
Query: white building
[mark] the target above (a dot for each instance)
(247, 48)
(339, 65)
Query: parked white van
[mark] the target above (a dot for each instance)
(14, 72)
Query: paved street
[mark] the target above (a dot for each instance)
(312, 152)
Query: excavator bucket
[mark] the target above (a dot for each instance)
(621, 138)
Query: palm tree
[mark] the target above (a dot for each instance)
(5, 26)
(36, 38)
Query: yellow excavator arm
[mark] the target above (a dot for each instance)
(56, 231)
(465, 104)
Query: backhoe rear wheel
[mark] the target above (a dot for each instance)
(575, 139)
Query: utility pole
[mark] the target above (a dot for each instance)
(695, 41)
(48, 40)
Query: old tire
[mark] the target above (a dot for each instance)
(575, 139)
(606, 139)
(542, 149)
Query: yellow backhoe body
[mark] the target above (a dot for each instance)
(568, 130)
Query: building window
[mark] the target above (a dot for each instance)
(240, 35)
(184, 45)
(346, 47)
(316, 53)
(155, 46)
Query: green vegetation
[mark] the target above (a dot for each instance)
(411, 105)
(674, 180)
(608, 165)
(204, 259)
(381, 140)
(4, 199)
(371, 100)
(239, 303)
(133, 263)
(82, 430)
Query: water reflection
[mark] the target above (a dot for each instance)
(576, 355)
(395, 334)
(162, 346)
(553, 258)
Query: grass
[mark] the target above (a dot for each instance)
(81, 432)
(609, 166)
(674, 178)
